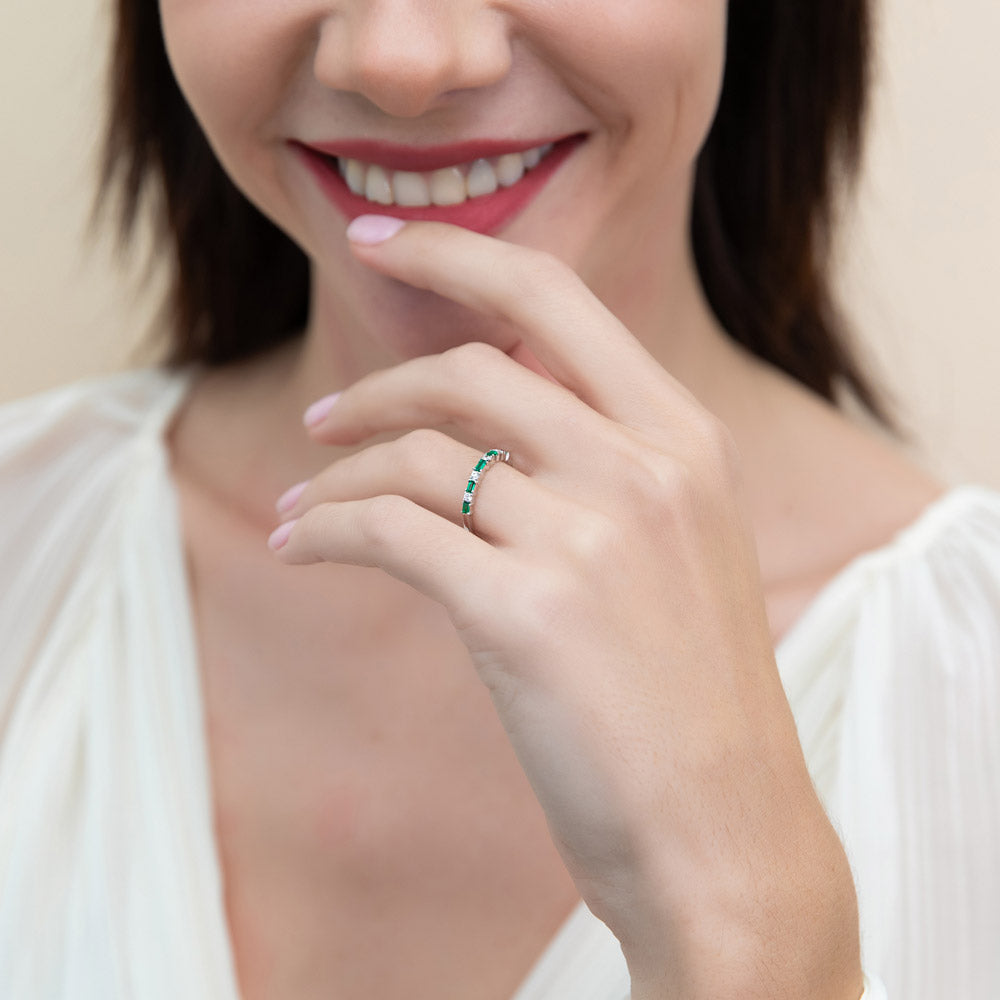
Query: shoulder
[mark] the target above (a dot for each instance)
(49, 439)
(937, 584)
(70, 459)
(919, 760)
(120, 404)
(922, 609)
(824, 492)
(964, 521)
(57, 444)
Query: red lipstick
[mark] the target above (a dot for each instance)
(485, 214)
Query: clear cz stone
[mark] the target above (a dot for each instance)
(467, 498)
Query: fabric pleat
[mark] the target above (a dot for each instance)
(110, 886)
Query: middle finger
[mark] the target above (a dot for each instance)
(476, 388)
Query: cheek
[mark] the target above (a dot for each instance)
(232, 61)
(686, 68)
(652, 74)
(654, 62)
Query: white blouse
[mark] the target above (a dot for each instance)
(110, 882)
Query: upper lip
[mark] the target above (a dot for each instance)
(395, 156)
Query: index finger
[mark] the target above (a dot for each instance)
(574, 335)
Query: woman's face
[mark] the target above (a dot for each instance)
(625, 91)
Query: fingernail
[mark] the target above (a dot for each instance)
(290, 497)
(281, 534)
(320, 409)
(371, 229)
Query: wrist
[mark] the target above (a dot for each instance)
(716, 929)
(815, 956)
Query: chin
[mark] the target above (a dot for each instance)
(407, 322)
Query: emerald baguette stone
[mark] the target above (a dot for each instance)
(488, 459)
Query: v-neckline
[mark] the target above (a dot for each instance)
(579, 925)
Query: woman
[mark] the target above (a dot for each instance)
(566, 298)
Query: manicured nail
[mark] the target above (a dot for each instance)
(320, 409)
(371, 229)
(290, 497)
(281, 534)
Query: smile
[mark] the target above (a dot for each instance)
(447, 186)
(479, 186)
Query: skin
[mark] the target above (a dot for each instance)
(604, 648)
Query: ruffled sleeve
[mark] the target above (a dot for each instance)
(917, 794)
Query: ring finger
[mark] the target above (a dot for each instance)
(433, 470)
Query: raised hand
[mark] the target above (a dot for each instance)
(611, 602)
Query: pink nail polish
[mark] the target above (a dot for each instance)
(320, 409)
(368, 230)
(290, 497)
(281, 534)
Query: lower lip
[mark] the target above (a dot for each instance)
(486, 214)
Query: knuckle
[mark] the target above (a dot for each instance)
(591, 539)
(535, 273)
(662, 486)
(467, 361)
(418, 450)
(716, 448)
(379, 520)
(664, 482)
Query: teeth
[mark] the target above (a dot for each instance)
(377, 186)
(482, 179)
(510, 169)
(410, 189)
(355, 173)
(448, 186)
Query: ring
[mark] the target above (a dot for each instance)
(489, 458)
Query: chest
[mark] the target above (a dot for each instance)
(376, 835)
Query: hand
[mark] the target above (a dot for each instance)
(612, 605)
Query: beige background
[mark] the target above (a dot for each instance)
(920, 262)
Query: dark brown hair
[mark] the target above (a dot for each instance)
(787, 138)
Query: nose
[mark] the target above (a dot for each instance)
(405, 55)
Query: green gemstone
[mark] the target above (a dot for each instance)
(471, 486)
(492, 453)
(480, 465)
(466, 507)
